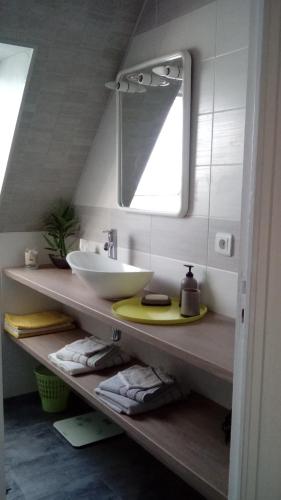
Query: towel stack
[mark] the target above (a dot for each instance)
(40, 323)
(138, 389)
(88, 355)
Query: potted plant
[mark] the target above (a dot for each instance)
(61, 224)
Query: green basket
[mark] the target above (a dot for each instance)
(52, 390)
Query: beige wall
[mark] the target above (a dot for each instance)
(17, 366)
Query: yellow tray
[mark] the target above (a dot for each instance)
(133, 310)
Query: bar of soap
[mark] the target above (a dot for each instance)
(156, 299)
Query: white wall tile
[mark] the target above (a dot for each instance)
(200, 192)
(202, 141)
(133, 229)
(219, 288)
(221, 291)
(134, 257)
(168, 274)
(183, 239)
(126, 255)
(92, 246)
(232, 25)
(228, 137)
(203, 87)
(226, 191)
(231, 80)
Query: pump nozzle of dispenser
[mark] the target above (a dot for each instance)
(189, 274)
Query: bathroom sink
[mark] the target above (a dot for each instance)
(109, 278)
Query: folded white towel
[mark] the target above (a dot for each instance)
(69, 367)
(144, 377)
(96, 362)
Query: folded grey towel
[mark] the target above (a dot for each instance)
(105, 359)
(144, 377)
(68, 355)
(80, 350)
(114, 384)
(88, 345)
(128, 406)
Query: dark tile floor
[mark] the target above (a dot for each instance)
(41, 465)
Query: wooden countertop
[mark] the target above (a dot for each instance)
(207, 344)
(185, 436)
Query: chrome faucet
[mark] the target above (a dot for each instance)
(111, 244)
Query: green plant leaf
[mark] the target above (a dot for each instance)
(70, 245)
(60, 223)
(50, 243)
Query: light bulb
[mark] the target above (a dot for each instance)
(151, 80)
(125, 86)
(167, 71)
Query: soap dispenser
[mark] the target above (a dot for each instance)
(188, 282)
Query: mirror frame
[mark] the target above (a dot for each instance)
(185, 131)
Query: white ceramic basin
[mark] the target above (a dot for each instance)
(109, 278)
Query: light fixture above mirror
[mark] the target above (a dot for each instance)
(149, 79)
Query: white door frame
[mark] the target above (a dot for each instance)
(2, 443)
(254, 463)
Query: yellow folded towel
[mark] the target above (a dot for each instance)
(42, 319)
(21, 334)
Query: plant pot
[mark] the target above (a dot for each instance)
(59, 262)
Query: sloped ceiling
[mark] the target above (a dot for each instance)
(79, 46)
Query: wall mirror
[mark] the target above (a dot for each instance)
(153, 113)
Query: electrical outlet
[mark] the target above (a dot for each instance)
(224, 244)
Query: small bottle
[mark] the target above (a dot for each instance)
(188, 282)
(31, 258)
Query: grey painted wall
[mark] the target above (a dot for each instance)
(79, 46)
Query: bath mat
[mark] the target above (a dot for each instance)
(87, 428)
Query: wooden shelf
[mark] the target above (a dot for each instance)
(207, 344)
(185, 436)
